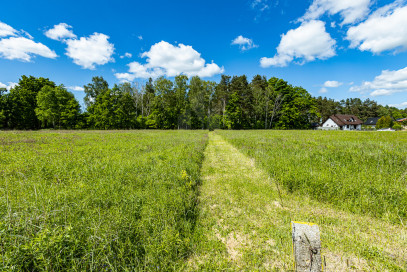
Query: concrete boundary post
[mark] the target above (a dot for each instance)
(306, 247)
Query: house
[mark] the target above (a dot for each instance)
(402, 122)
(342, 122)
(371, 122)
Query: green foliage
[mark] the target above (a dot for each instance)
(22, 102)
(240, 105)
(96, 201)
(2, 107)
(355, 106)
(397, 126)
(179, 104)
(384, 122)
(94, 89)
(363, 172)
(57, 107)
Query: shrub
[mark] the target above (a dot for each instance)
(384, 122)
(397, 126)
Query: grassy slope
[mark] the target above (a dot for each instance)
(114, 201)
(245, 224)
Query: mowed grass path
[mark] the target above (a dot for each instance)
(244, 223)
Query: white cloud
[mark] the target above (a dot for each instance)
(90, 51)
(85, 51)
(8, 86)
(169, 60)
(76, 88)
(400, 106)
(60, 32)
(308, 42)
(387, 83)
(332, 84)
(262, 5)
(323, 90)
(140, 37)
(23, 49)
(351, 11)
(384, 30)
(6, 30)
(25, 33)
(14, 46)
(126, 55)
(138, 70)
(244, 43)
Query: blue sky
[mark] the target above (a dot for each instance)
(333, 48)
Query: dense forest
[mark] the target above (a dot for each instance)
(233, 103)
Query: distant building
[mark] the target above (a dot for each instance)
(342, 122)
(402, 122)
(371, 122)
(314, 126)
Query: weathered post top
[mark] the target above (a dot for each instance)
(306, 247)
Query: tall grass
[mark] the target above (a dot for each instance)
(98, 201)
(363, 172)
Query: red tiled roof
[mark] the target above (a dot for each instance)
(345, 119)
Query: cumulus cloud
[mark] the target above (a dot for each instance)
(60, 32)
(332, 84)
(166, 59)
(400, 106)
(351, 11)
(76, 88)
(384, 30)
(23, 49)
(244, 43)
(14, 46)
(387, 83)
(308, 42)
(8, 86)
(126, 55)
(323, 90)
(329, 84)
(86, 52)
(90, 51)
(6, 30)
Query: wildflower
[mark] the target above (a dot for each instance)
(184, 175)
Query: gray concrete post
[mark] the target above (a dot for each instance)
(306, 247)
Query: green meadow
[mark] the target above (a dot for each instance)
(197, 201)
(98, 201)
(362, 172)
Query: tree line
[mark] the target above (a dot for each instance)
(182, 103)
(355, 106)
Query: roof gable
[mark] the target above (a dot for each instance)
(345, 119)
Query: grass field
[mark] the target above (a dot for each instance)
(93, 201)
(362, 172)
(183, 201)
(244, 222)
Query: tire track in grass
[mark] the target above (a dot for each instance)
(244, 224)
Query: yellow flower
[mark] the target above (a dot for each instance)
(184, 175)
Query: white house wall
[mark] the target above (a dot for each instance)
(330, 124)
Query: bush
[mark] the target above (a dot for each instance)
(384, 122)
(397, 126)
